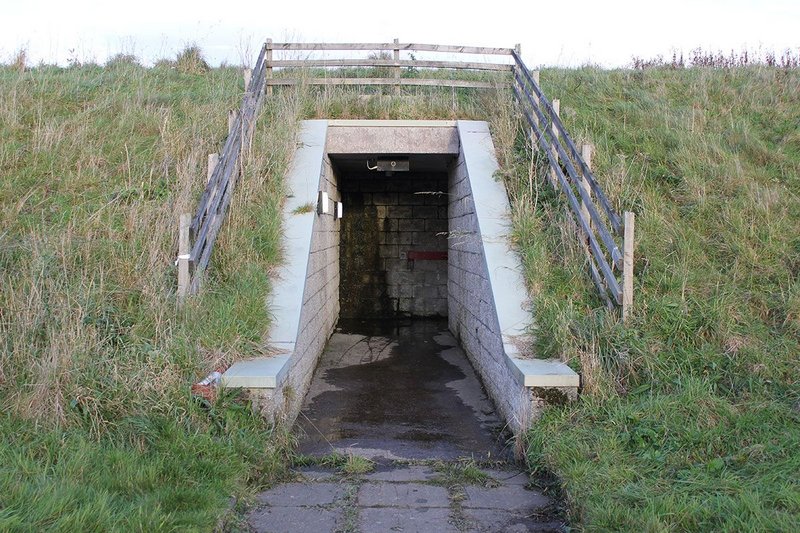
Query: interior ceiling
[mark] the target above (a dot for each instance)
(357, 163)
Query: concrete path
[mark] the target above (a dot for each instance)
(400, 436)
(398, 390)
(431, 497)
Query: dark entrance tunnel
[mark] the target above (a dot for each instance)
(392, 381)
(393, 240)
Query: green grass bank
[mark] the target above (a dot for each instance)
(688, 419)
(690, 415)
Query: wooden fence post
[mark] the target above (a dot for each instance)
(586, 154)
(248, 75)
(183, 257)
(535, 76)
(213, 160)
(396, 55)
(627, 266)
(232, 114)
(268, 59)
(554, 135)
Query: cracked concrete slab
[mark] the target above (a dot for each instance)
(295, 520)
(414, 495)
(508, 497)
(387, 519)
(403, 474)
(301, 494)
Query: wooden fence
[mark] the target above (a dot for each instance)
(569, 168)
(198, 232)
(570, 171)
(395, 64)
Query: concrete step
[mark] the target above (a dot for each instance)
(543, 373)
(261, 373)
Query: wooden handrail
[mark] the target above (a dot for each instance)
(395, 63)
(412, 47)
(571, 169)
(210, 212)
(409, 63)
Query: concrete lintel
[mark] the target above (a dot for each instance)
(393, 137)
(392, 123)
(543, 373)
(261, 373)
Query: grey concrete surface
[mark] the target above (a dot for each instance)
(409, 497)
(402, 495)
(398, 390)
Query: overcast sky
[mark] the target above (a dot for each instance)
(568, 33)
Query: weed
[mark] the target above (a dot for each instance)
(303, 209)
(461, 473)
(191, 61)
(347, 463)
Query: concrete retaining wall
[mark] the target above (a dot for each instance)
(486, 297)
(305, 298)
(473, 317)
(320, 309)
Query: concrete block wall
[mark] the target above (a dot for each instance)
(472, 315)
(385, 218)
(320, 309)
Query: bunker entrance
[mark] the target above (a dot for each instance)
(394, 236)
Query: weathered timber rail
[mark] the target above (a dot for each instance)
(570, 171)
(396, 64)
(198, 232)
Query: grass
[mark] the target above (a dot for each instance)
(688, 418)
(347, 464)
(462, 472)
(689, 415)
(99, 430)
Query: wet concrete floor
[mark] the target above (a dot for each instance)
(398, 390)
(403, 395)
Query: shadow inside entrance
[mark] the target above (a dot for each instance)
(398, 390)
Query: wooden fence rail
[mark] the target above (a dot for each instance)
(395, 64)
(569, 167)
(198, 234)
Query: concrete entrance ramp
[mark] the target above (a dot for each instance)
(488, 312)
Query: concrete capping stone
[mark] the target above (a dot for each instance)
(261, 373)
(543, 372)
(506, 284)
(286, 301)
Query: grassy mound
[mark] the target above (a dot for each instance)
(99, 430)
(689, 417)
